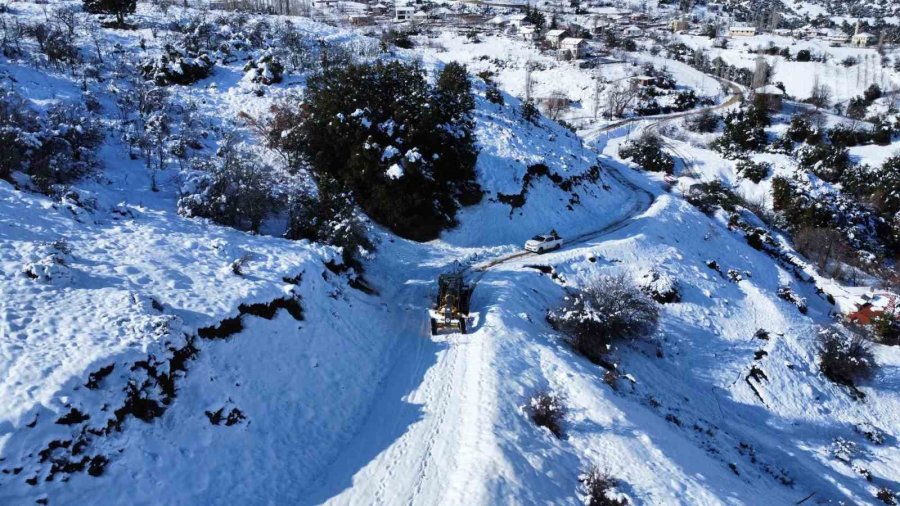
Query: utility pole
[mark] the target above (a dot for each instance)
(528, 81)
(598, 80)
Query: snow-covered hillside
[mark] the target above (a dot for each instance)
(150, 357)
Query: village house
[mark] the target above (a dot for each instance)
(770, 95)
(861, 39)
(742, 31)
(528, 32)
(572, 47)
(836, 38)
(868, 306)
(632, 32)
(554, 37)
(403, 13)
(643, 80)
(679, 25)
(360, 20)
(324, 4)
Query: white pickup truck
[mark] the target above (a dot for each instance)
(542, 243)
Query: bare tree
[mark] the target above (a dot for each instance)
(556, 104)
(820, 95)
(619, 97)
(763, 73)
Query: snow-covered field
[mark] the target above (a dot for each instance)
(278, 382)
(843, 82)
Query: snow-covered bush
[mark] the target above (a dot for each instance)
(744, 131)
(609, 308)
(660, 286)
(887, 496)
(55, 43)
(786, 293)
(234, 190)
(530, 112)
(267, 70)
(843, 450)
(709, 196)
(647, 151)
(826, 161)
(330, 218)
(18, 128)
(844, 359)
(886, 328)
(801, 129)
(704, 122)
(754, 171)
(50, 265)
(118, 8)
(55, 149)
(878, 185)
(872, 433)
(598, 488)
(403, 148)
(492, 91)
(548, 409)
(174, 66)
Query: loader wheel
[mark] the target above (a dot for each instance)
(433, 327)
(462, 325)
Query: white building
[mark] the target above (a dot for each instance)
(572, 47)
(528, 32)
(632, 31)
(554, 37)
(837, 38)
(403, 12)
(861, 39)
(742, 31)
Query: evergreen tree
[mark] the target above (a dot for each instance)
(119, 8)
(403, 149)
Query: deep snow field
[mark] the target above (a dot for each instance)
(843, 82)
(284, 384)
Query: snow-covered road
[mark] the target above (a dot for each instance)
(439, 447)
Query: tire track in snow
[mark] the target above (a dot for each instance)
(450, 394)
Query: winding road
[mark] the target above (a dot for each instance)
(431, 450)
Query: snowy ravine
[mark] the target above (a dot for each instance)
(150, 358)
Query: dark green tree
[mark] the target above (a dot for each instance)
(118, 8)
(403, 149)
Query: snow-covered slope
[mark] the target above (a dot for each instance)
(151, 358)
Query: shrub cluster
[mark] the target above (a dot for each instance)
(707, 197)
(548, 410)
(598, 487)
(827, 161)
(647, 151)
(608, 309)
(266, 69)
(704, 122)
(754, 171)
(174, 66)
(329, 218)
(54, 149)
(492, 91)
(744, 131)
(844, 360)
(659, 286)
(886, 328)
(403, 148)
(233, 190)
(118, 8)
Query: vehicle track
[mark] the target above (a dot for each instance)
(436, 456)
